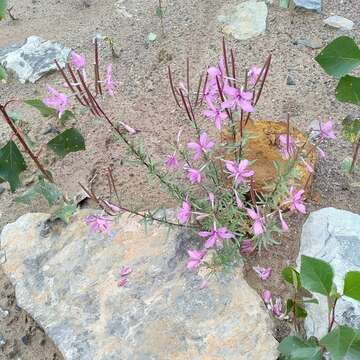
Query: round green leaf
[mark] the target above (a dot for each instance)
(12, 164)
(316, 275)
(290, 275)
(348, 90)
(68, 141)
(352, 285)
(351, 129)
(340, 57)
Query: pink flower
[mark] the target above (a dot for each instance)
(56, 100)
(215, 236)
(171, 161)
(216, 115)
(266, 296)
(263, 273)
(128, 128)
(126, 270)
(246, 247)
(98, 223)
(195, 258)
(238, 99)
(112, 207)
(201, 147)
(287, 150)
(277, 308)
(110, 83)
(193, 175)
(253, 74)
(321, 152)
(78, 61)
(296, 203)
(184, 213)
(204, 284)
(326, 130)
(238, 171)
(122, 282)
(284, 225)
(239, 203)
(258, 226)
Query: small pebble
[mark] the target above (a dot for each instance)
(2, 340)
(4, 313)
(290, 80)
(26, 339)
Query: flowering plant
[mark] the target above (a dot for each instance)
(316, 276)
(215, 174)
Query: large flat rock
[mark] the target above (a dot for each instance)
(33, 58)
(332, 235)
(67, 280)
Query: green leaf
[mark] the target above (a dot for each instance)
(340, 57)
(348, 90)
(298, 349)
(12, 164)
(352, 285)
(351, 129)
(295, 308)
(159, 12)
(65, 212)
(345, 165)
(290, 275)
(68, 141)
(3, 74)
(3, 7)
(45, 111)
(343, 342)
(13, 116)
(310, 301)
(66, 116)
(316, 275)
(48, 190)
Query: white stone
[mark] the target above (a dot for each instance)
(246, 20)
(34, 58)
(67, 281)
(339, 22)
(332, 235)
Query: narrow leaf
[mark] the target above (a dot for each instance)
(340, 57)
(352, 285)
(12, 164)
(3, 7)
(348, 90)
(68, 141)
(65, 212)
(342, 342)
(316, 275)
(44, 110)
(3, 74)
(290, 275)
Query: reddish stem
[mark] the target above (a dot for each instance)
(172, 87)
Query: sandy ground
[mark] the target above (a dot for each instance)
(145, 102)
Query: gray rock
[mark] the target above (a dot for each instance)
(332, 235)
(67, 281)
(339, 22)
(2, 189)
(245, 20)
(313, 5)
(34, 58)
(310, 43)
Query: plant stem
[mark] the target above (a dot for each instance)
(332, 316)
(161, 18)
(25, 146)
(355, 155)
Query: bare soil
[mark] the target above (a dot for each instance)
(145, 102)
